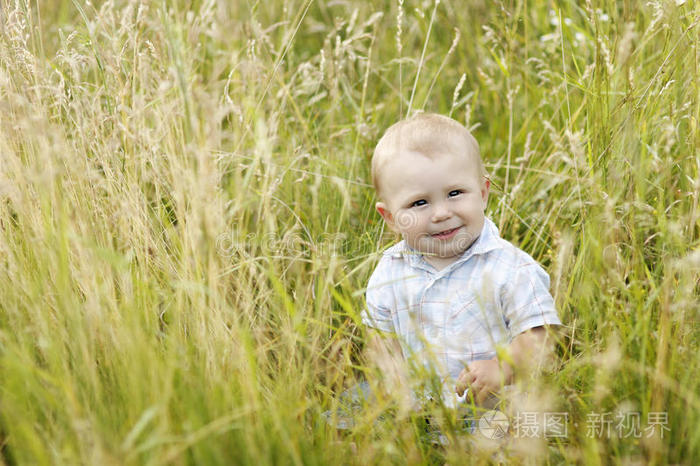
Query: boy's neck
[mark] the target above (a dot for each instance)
(440, 262)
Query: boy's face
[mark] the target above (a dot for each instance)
(437, 203)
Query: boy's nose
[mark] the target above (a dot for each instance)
(441, 213)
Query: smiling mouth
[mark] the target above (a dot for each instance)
(446, 234)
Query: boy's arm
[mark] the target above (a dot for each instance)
(528, 352)
(385, 352)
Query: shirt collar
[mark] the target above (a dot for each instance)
(488, 240)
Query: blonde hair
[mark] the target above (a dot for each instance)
(427, 134)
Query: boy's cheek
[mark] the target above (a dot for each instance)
(405, 221)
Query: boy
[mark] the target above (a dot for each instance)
(452, 292)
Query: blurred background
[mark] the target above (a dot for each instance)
(187, 223)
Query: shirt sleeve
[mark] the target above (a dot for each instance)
(527, 302)
(380, 299)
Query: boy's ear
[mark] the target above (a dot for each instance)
(386, 214)
(485, 191)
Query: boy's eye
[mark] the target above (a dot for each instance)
(418, 203)
(454, 193)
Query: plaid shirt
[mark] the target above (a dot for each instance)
(461, 313)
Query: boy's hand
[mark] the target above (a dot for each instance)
(386, 354)
(483, 378)
(529, 351)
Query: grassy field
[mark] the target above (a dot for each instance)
(187, 228)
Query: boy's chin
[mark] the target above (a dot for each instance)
(445, 251)
(444, 254)
(448, 255)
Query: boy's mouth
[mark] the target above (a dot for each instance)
(446, 233)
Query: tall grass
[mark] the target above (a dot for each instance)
(186, 227)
